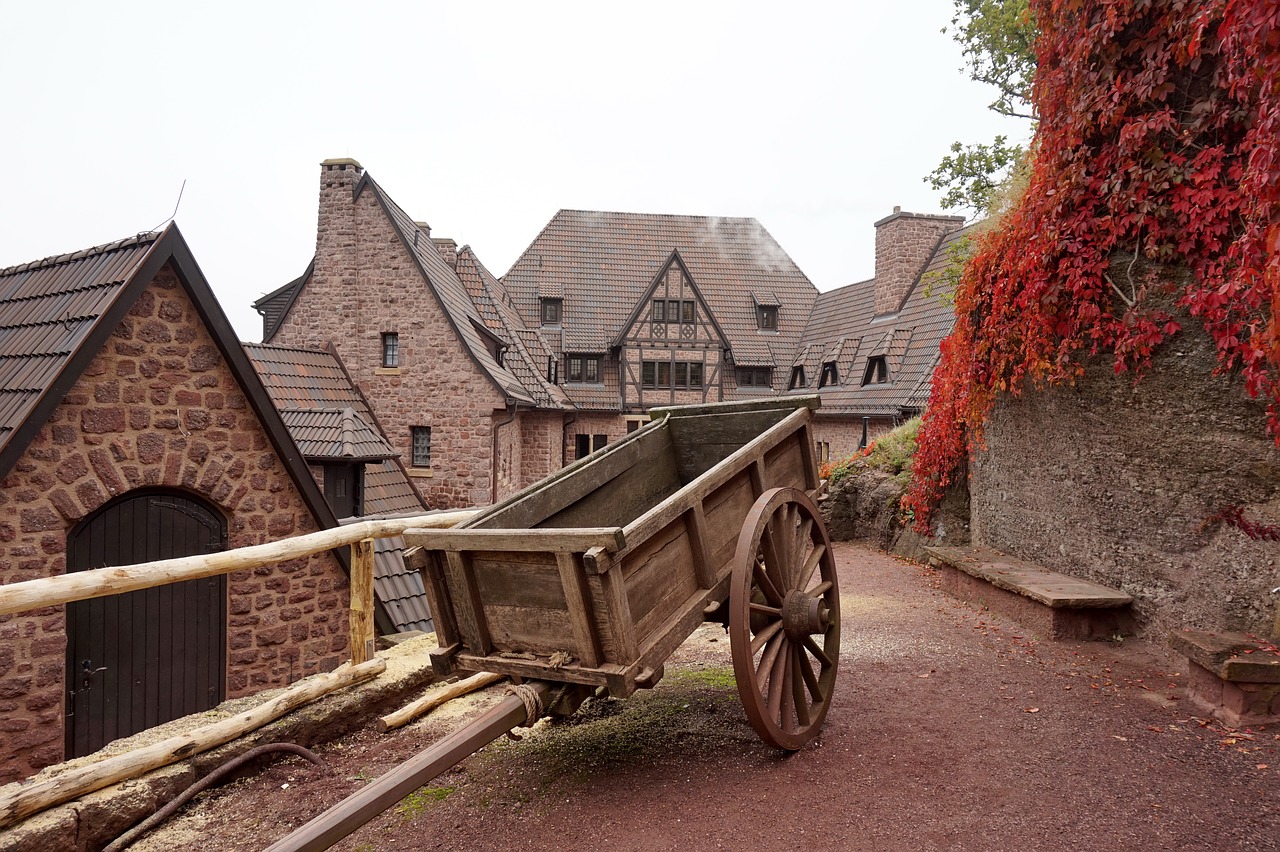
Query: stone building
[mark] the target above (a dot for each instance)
(133, 428)
(486, 385)
(869, 349)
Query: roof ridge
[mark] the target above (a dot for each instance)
(141, 238)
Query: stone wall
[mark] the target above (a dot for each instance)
(157, 407)
(1115, 482)
(843, 434)
(364, 284)
(904, 244)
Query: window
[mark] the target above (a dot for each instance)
(553, 370)
(877, 370)
(797, 378)
(390, 349)
(822, 449)
(583, 368)
(585, 445)
(757, 377)
(673, 310)
(687, 374)
(767, 317)
(655, 374)
(551, 310)
(421, 446)
(695, 375)
(830, 376)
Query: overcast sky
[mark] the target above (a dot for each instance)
(483, 119)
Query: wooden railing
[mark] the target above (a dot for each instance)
(99, 582)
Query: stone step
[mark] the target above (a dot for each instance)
(1056, 605)
(1233, 677)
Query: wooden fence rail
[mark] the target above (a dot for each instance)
(99, 582)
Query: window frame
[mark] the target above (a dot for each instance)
(767, 317)
(877, 372)
(415, 461)
(830, 375)
(755, 373)
(390, 349)
(798, 379)
(552, 310)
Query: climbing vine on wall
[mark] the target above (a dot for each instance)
(1159, 138)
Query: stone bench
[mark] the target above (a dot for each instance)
(1233, 677)
(1050, 604)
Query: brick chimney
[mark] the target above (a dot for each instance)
(448, 249)
(905, 242)
(334, 288)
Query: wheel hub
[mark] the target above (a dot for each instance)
(804, 614)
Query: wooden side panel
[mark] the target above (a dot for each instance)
(660, 575)
(726, 509)
(534, 506)
(785, 464)
(703, 441)
(624, 498)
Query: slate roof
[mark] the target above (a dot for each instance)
(601, 264)
(338, 434)
(845, 330)
(302, 381)
(47, 310)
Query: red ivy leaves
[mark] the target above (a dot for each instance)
(1159, 134)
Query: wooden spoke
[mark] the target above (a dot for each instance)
(810, 565)
(763, 637)
(810, 679)
(798, 696)
(765, 584)
(818, 652)
(785, 671)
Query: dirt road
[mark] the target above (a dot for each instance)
(950, 729)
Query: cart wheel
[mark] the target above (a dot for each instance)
(784, 618)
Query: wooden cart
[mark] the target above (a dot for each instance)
(596, 574)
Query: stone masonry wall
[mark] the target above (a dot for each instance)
(1117, 482)
(365, 283)
(904, 244)
(843, 434)
(157, 407)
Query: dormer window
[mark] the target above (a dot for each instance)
(583, 368)
(830, 375)
(755, 377)
(390, 349)
(767, 317)
(551, 311)
(673, 310)
(797, 378)
(877, 370)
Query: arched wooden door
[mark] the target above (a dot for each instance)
(146, 657)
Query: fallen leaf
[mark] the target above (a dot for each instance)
(1031, 710)
(1158, 730)
(1262, 766)
(1120, 738)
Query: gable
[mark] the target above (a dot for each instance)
(672, 311)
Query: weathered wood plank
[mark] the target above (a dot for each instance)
(576, 540)
(99, 582)
(528, 629)
(696, 525)
(427, 564)
(360, 617)
(703, 441)
(809, 401)
(531, 507)
(537, 669)
(656, 571)
(466, 603)
(784, 465)
(579, 609)
(680, 502)
(810, 457)
(613, 589)
(517, 579)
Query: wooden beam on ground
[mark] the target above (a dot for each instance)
(73, 783)
(100, 582)
(434, 697)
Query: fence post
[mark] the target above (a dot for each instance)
(361, 601)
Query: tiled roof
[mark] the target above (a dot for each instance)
(307, 379)
(603, 263)
(527, 353)
(844, 329)
(335, 433)
(303, 381)
(47, 309)
(275, 304)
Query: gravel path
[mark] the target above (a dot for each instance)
(950, 729)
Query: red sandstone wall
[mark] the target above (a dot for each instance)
(843, 434)
(158, 407)
(904, 244)
(365, 283)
